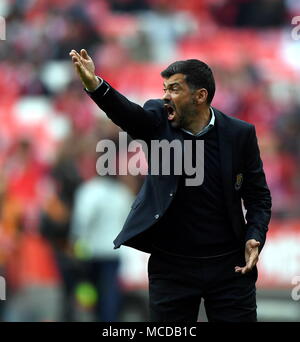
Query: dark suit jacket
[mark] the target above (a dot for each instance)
(240, 158)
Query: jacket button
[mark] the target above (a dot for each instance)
(156, 216)
(171, 194)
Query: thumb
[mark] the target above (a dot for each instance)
(254, 243)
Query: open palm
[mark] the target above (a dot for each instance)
(85, 68)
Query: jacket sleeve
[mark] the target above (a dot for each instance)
(138, 122)
(255, 192)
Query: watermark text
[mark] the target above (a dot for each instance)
(2, 288)
(2, 28)
(296, 290)
(163, 157)
(296, 29)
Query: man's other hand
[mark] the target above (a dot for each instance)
(251, 256)
(85, 68)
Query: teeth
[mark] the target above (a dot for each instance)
(169, 108)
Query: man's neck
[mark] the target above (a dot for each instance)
(200, 121)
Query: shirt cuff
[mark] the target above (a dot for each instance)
(103, 87)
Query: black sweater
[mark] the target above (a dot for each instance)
(196, 223)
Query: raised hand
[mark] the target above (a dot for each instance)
(85, 68)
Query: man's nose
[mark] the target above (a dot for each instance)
(166, 97)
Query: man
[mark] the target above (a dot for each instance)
(200, 245)
(100, 208)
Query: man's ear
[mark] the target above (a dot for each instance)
(201, 96)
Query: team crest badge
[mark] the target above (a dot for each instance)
(239, 181)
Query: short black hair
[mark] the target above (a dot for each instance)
(198, 75)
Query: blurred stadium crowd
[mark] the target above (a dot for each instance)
(57, 218)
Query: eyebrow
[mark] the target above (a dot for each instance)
(172, 84)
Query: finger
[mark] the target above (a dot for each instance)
(249, 266)
(78, 55)
(78, 65)
(254, 244)
(84, 54)
(75, 58)
(79, 68)
(240, 270)
(76, 61)
(74, 53)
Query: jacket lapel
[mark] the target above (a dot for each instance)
(226, 157)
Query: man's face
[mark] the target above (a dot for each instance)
(179, 101)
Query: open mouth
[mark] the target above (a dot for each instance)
(170, 110)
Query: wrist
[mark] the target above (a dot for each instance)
(93, 84)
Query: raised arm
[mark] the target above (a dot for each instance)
(139, 122)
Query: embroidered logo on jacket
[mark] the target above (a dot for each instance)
(239, 181)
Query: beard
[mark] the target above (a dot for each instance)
(184, 116)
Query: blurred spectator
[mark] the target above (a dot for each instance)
(250, 13)
(28, 262)
(10, 221)
(129, 5)
(101, 207)
(34, 284)
(56, 216)
(23, 162)
(281, 171)
(162, 29)
(288, 130)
